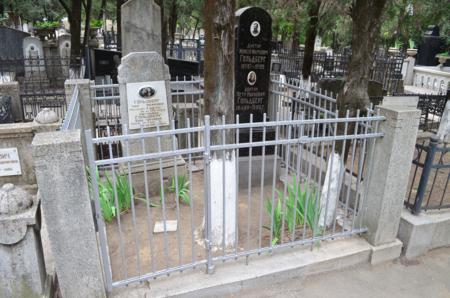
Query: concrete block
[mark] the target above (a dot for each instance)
(389, 173)
(423, 232)
(62, 182)
(386, 252)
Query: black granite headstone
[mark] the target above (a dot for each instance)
(253, 35)
(6, 110)
(253, 43)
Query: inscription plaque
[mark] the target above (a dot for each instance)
(147, 104)
(9, 162)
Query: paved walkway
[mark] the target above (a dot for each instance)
(428, 277)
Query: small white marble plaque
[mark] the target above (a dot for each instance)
(171, 226)
(9, 162)
(147, 104)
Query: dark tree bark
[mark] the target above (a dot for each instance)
(366, 16)
(119, 22)
(219, 63)
(163, 30)
(74, 15)
(311, 33)
(172, 24)
(87, 22)
(295, 38)
(102, 10)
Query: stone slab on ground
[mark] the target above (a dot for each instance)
(171, 226)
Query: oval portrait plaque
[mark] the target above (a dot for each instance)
(146, 92)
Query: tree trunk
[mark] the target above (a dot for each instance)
(163, 30)
(119, 22)
(219, 101)
(172, 24)
(295, 38)
(219, 62)
(102, 10)
(311, 33)
(366, 16)
(75, 29)
(87, 23)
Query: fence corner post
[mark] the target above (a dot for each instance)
(62, 182)
(84, 93)
(389, 173)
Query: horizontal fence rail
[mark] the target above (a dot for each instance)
(430, 175)
(258, 187)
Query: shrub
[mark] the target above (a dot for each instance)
(47, 25)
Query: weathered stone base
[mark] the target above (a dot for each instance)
(423, 232)
(386, 252)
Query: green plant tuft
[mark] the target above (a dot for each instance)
(183, 189)
(299, 200)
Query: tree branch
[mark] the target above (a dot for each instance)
(65, 6)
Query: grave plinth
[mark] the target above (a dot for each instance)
(22, 269)
(145, 101)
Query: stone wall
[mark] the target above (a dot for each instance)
(20, 136)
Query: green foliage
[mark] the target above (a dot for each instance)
(96, 23)
(107, 194)
(47, 25)
(300, 200)
(183, 189)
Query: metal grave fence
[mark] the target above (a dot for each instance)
(429, 178)
(158, 213)
(41, 82)
(187, 106)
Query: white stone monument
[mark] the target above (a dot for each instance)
(141, 27)
(145, 101)
(33, 52)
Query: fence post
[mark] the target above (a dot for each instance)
(62, 182)
(428, 165)
(389, 170)
(206, 175)
(84, 95)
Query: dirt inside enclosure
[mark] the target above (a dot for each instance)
(437, 192)
(139, 242)
(183, 247)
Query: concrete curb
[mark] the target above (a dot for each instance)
(235, 276)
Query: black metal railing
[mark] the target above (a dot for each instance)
(41, 81)
(387, 68)
(429, 178)
(186, 49)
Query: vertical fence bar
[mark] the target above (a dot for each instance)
(425, 175)
(207, 176)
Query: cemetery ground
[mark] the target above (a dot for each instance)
(426, 276)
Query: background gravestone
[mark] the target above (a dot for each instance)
(141, 27)
(253, 41)
(33, 51)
